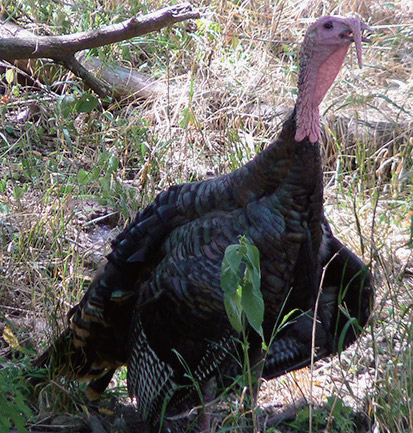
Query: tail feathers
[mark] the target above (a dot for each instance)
(161, 392)
(96, 341)
(150, 380)
(65, 359)
(97, 387)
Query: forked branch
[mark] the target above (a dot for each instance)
(17, 43)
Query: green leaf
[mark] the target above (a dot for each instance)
(253, 272)
(5, 424)
(185, 118)
(12, 409)
(21, 404)
(18, 192)
(69, 141)
(143, 149)
(234, 42)
(105, 183)
(253, 304)
(10, 130)
(230, 270)
(191, 89)
(18, 419)
(243, 292)
(113, 164)
(286, 318)
(66, 105)
(252, 254)
(233, 308)
(252, 300)
(15, 90)
(126, 54)
(188, 117)
(86, 103)
(351, 322)
(84, 177)
(10, 76)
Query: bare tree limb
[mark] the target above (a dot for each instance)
(88, 78)
(124, 82)
(17, 43)
(22, 46)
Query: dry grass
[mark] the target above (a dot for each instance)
(229, 85)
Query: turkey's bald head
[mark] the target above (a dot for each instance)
(322, 54)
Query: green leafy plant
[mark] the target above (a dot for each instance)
(333, 417)
(241, 283)
(244, 304)
(15, 391)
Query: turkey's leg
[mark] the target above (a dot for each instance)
(208, 392)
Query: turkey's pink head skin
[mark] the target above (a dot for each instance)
(322, 54)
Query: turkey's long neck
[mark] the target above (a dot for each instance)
(285, 164)
(317, 74)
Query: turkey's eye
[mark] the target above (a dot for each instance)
(328, 25)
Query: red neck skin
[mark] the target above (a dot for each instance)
(315, 80)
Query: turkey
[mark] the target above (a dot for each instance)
(158, 307)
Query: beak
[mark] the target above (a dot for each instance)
(348, 33)
(354, 34)
(368, 29)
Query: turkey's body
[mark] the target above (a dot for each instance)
(158, 305)
(166, 287)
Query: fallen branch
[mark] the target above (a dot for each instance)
(125, 82)
(61, 47)
(17, 43)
